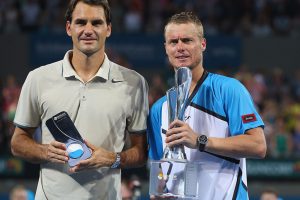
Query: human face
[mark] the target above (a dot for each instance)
(268, 196)
(184, 45)
(88, 29)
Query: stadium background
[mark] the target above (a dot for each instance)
(255, 41)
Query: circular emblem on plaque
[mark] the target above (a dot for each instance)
(75, 150)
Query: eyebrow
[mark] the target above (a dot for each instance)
(185, 39)
(80, 20)
(94, 21)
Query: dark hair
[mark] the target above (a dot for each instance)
(186, 17)
(103, 3)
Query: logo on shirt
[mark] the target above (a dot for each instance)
(116, 81)
(249, 118)
(186, 118)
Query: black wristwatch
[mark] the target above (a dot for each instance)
(201, 142)
(117, 162)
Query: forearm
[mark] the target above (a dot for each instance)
(136, 155)
(133, 157)
(249, 145)
(23, 146)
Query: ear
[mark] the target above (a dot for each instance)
(203, 44)
(68, 28)
(108, 33)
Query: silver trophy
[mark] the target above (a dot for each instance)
(174, 175)
(177, 98)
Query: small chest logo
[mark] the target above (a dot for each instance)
(249, 118)
(186, 118)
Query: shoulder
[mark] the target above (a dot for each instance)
(157, 106)
(223, 83)
(45, 71)
(123, 73)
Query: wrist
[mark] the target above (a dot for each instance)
(117, 161)
(202, 141)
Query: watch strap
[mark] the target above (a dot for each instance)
(117, 162)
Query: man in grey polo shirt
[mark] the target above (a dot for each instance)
(103, 99)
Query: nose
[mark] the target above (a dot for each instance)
(88, 29)
(180, 45)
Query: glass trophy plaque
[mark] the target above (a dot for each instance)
(170, 178)
(174, 175)
(63, 130)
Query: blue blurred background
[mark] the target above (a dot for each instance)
(255, 41)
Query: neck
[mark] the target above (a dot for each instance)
(86, 66)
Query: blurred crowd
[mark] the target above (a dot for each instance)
(277, 96)
(9, 96)
(275, 93)
(236, 17)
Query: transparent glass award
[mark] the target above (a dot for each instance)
(174, 175)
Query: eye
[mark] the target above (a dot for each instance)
(186, 40)
(80, 22)
(173, 42)
(97, 22)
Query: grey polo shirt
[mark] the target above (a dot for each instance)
(115, 100)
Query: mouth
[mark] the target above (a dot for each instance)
(87, 40)
(182, 57)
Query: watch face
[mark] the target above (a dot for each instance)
(203, 139)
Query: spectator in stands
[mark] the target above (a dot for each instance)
(2, 124)
(269, 194)
(258, 18)
(126, 192)
(157, 90)
(296, 136)
(10, 93)
(19, 192)
(30, 15)
(281, 144)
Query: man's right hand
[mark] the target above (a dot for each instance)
(56, 152)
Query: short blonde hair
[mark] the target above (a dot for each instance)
(186, 17)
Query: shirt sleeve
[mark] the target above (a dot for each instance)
(240, 110)
(28, 112)
(138, 119)
(154, 131)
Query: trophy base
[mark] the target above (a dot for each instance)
(174, 178)
(174, 160)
